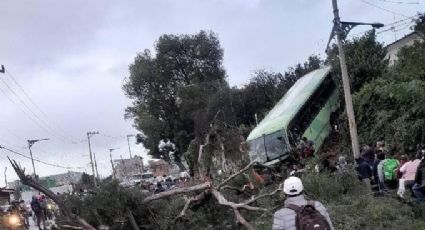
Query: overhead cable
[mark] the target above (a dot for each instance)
(35, 104)
(48, 129)
(37, 160)
(384, 9)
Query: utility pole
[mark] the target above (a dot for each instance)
(90, 134)
(124, 167)
(112, 163)
(95, 166)
(128, 142)
(341, 29)
(5, 177)
(30, 144)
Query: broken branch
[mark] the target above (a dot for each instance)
(264, 195)
(236, 174)
(176, 192)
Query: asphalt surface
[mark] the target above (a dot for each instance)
(33, 226)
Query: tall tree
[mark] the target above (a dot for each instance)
(170, 87)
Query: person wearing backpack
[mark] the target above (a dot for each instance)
(298, 213)
(387, 170)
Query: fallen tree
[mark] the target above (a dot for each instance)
(29, 181)
(209, 190)
(193, 195)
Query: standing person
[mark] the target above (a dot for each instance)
(306, 148)
(403, 159)
(387, 172)
(377, 171)
(408, 173)
(24, 213)
(368, 154)
(419, 186)
(43, 203)
(158, 188)
(299, 213)
(342, 164)
(38, 212)
(364, 171)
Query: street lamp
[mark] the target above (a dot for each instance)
(346, 27)
(128, 142)
(112, 163)
(341, 29)
(30, 144)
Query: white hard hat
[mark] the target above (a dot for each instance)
(293, 186)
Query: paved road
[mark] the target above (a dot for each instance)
(33, 226)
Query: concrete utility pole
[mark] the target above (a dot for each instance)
(30, 144)
(90, 134)
(341, 30)
(112, 163)
(95, 166)
(128, 142)
(5, 177)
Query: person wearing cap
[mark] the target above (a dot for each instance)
(284, 219)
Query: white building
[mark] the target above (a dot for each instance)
(394, 48)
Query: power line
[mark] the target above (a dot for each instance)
(384, 9)
(23, 111)
(399, 2)
(119, 137)
(390, 26)
(38, 160)
(48, 128)
(34, 104)
(412, 18)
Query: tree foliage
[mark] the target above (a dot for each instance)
(365, 60)
(170, 87)
(392, 106)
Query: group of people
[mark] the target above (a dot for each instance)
(163, 183)
(391, 170)
(39, 205)
(19, 208)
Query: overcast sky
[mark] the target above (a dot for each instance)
(71, 58)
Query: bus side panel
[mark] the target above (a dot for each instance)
(320, 127)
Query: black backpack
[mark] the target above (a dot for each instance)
(308, 218)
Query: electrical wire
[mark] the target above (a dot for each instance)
(35, 105)
(390, 26)
(37, 160)
(113, 137)
(382, 8)
(23, 111)
(48, 128)
(399, 2)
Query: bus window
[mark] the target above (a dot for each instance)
(310, 109)
(276, 145)
(257, 151)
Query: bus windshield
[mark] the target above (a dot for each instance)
(269, 147)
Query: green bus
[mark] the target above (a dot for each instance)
(304, 111)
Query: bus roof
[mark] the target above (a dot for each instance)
(284, 111)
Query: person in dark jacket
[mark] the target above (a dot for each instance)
(38, 212)
(368, 154)
(158, 188)
(380, 157)
(364, 171)
(419, 186)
